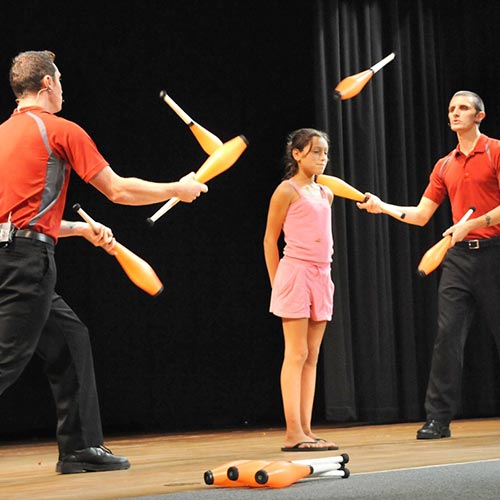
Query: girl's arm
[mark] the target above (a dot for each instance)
(278, 207)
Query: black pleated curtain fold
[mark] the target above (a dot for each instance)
(377, 350)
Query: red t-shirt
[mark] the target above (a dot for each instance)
(38, 150)
(472, 180)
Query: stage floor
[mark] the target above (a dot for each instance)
(173, 463)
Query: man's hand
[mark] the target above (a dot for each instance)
(373, 204)
(189, 189)
(458, 232)
(102, 238)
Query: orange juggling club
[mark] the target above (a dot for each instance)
(138, 270)
(219, 161)
(283, 473)
(208, 141)
(342, 473)
(352, 85)
(244, 474)
(435, 255)
(219, 475)
(341, 188)
(275, 474)
(343, 458)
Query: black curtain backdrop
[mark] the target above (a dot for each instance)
(206, 353)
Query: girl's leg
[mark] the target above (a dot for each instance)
(296, 354)
(315, 333)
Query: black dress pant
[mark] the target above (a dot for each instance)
(34, 319)
(470, 284)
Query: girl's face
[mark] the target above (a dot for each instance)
(313, 158)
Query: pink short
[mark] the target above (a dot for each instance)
(302, 289)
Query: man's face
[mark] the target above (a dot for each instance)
(462, 114)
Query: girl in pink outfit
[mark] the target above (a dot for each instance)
(302, 289)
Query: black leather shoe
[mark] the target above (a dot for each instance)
(95, 459)
(434, 429)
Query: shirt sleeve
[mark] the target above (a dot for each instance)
(74, 145)
(436, 189)
(494, 146)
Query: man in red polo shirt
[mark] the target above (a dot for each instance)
(470, 280)
(38, 151)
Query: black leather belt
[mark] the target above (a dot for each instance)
(477, 244)
(34, 235)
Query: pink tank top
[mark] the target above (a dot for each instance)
(308, 228)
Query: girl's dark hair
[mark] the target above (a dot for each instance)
(299, 139)
(28, 69)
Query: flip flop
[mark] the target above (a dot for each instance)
(330, 447)
(299, 447)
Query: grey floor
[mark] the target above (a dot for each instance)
(469, 481)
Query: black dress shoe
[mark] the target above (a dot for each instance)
(434, 429)
(94, 459)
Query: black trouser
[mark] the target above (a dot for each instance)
(470, 283)
(34, 319)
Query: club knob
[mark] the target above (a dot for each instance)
(233, 473)
(337, 95)
(208, 477)
(261, 477)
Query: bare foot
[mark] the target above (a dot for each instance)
(325, 443)
(300, 440)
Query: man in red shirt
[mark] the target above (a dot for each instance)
(470, 280)
(38, 151)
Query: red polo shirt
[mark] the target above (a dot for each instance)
(472, 180)
(38, 150)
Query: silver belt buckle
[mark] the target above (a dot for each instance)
(6, 233)
(473, 244)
